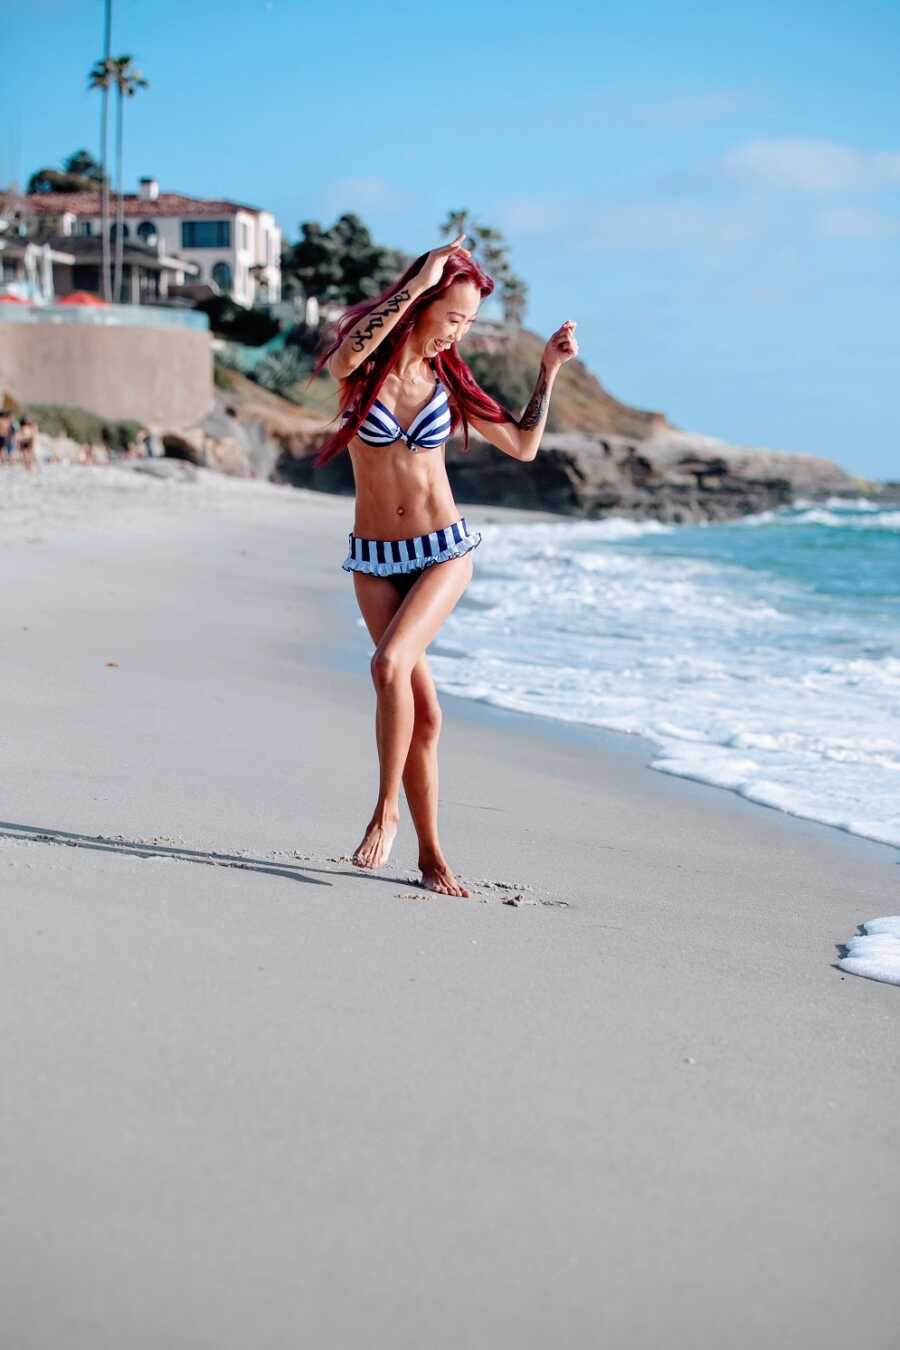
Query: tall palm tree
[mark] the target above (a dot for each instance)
(493, 250)
(514, 299)
(128, 80)
(100, 77)
(456, 222)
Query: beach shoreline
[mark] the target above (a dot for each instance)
(257, 1096)
(345, 655)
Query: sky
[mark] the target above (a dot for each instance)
(710, 189)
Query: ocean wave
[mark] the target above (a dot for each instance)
(880, 520)
(742, 678)
(819, 514)
(838, 503)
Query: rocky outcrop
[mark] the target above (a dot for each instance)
(231, 444)
(580, 402)
(631, 463)
(672, 476)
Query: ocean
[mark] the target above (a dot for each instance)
(761, 655)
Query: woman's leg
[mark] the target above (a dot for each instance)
(379, 600)
(414, 624)
(420, 783)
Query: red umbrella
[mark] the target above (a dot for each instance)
(82, 298)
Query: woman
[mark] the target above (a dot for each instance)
(27, 443)
(404, 388)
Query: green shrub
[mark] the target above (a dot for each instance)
(123, 434)
(80, 425)
(281, 370)
(228, 319)
(221, 377)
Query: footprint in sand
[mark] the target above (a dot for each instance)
(511, 893)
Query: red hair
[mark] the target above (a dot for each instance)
(359, 390)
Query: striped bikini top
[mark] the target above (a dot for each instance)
(429, 429)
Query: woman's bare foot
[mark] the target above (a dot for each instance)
(436, 876)
(377, 842)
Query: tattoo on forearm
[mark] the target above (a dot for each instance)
(376, 320)
(536, 407)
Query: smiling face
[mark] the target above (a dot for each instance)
(447, 319)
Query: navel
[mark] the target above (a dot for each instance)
(401, 510)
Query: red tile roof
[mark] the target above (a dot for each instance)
(166, 204)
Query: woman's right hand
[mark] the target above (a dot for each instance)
(432, 269)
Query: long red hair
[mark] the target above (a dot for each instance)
(359, 390)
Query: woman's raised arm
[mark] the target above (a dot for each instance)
(374, 326)
(522, 439)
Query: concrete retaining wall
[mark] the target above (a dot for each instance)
(154, 374)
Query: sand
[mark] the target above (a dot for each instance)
(256, 1098)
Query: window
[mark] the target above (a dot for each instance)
(146, 231)
(221, 275)
(206, 234)
(245, 236)
(125, 230)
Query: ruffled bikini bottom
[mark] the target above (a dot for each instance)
(402, 557)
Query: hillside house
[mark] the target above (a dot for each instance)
(229, 247)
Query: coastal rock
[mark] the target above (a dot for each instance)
(237, 446)
(671, 476)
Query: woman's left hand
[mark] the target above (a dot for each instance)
(562, 346)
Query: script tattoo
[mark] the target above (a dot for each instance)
(535, 410)
(376, 320)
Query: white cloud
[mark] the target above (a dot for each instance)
(820, 167)
(583, 224)
(539, 215)
(854, 222)
(761, 192)
(360, 194)
(683, 112)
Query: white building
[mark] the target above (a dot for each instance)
(237, 248)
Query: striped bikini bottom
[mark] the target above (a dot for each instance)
(401, 558)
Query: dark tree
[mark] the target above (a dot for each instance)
(83, 164)
(341, 265)
(57, 180)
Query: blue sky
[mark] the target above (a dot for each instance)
(711, 189)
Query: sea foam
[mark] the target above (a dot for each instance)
(875, 953)
(736, 652)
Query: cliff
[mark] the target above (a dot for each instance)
(670, 477)
(505, 362)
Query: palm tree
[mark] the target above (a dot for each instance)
(456, 222)
(100, 77)
(514, 299)
(493, 251)
(128, 81)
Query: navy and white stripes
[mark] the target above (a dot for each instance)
(384, 557)
(430, 427)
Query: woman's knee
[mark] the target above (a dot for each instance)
(388, 667)
(427, 727)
